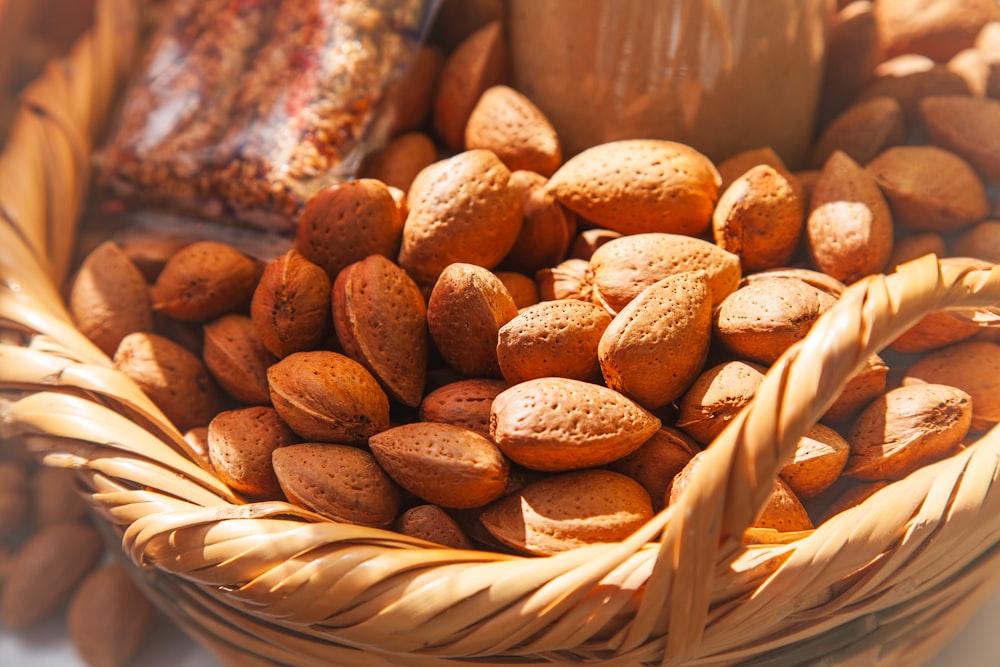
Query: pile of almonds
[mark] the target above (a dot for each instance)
(497, 347)
(486, 345)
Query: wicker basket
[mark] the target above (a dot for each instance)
(887, 582)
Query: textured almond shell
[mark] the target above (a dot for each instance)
(906, 428)
(819, 458)
(553, 339)
(328, 397)
(506, 122)
(657, 461)
(558, 424)
(715, 397)
(237, 358)
(969, 127)
(656, 346)
(203, 280)
(565, 511)
(431, 523)
(634, 186)
(625, 266)
(342, 482)
(444, 464)
(461, 209)
(465, 311)
(291, 304)
(240, 443)
(380, 319)
(463, 403)
(971, 366)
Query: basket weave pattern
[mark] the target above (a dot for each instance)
(887, 582)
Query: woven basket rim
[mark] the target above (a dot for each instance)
(299, 588)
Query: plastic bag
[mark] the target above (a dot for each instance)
(243, 109)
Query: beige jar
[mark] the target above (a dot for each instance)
(721, 75)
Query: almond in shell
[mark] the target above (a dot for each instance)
(636, 186)
(237, 358)
(715, 398)
(819, 458)
(657, 461)
(506, 122)
(326, 396)
(972, 366)
(240, 444)
(465, 311)
(556, 424)
(398, 162)
(431, 523)
(547, 229)
(463, 403)
(569, 510)
(109, 617)
(656, 345)
(553, 339)
(291, 304)
(204, 280)
(625, 266)
(967, 126)
(907, 428)
(444, 464)
(380, 319)
(342, 482)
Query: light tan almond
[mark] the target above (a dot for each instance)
(862, 131)
(625, 266)
(547, 229)
(565, 511)
(635, 186)
(849, 229)
(715, 397)
(506, 122)
(906, 428)
(462, 209)
(656, 345)
(558, 424)
(937, 30)
(863, 387)
(968, 127)
(553, 339)
(971, 366)
(522, 288)
(819, 458)
(431, 523)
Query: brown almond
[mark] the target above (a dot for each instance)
(783, 512)
(819, 458)
(56, 496)
(759, 217)
(850, 228)
(762, 319)
(237, 358)
(174, 378)
(506, 122)
(625, 266)
(380, 319)
(852, 51)
(547, 229)
(462, 209)
(862, 131)
(938, 30)
(109, 297)
(431, 523)
(972, 366)
(656, 346)
(342, 482)
(328, 397)
(968, 127)
(109, 617)
(522, 288)
(457, 19)
(862, 387)
(589, 240)
(291, 304)
(476, 64)
(410, 97)
(150, 255)
(398, 162)
(657, 461)
(444, 464)
(635, 186)
(715, 397)
(565, 511)
(907, 428)
(552, 339)
(465, 311)
(463, 403)
(240, 443)
(980, 241)
(913, 246)
(910, 78)
(929, 188)
(204, 280)
(45, 570)
(736, 165)
(570, 279)
(558, 424)
(347, 221)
